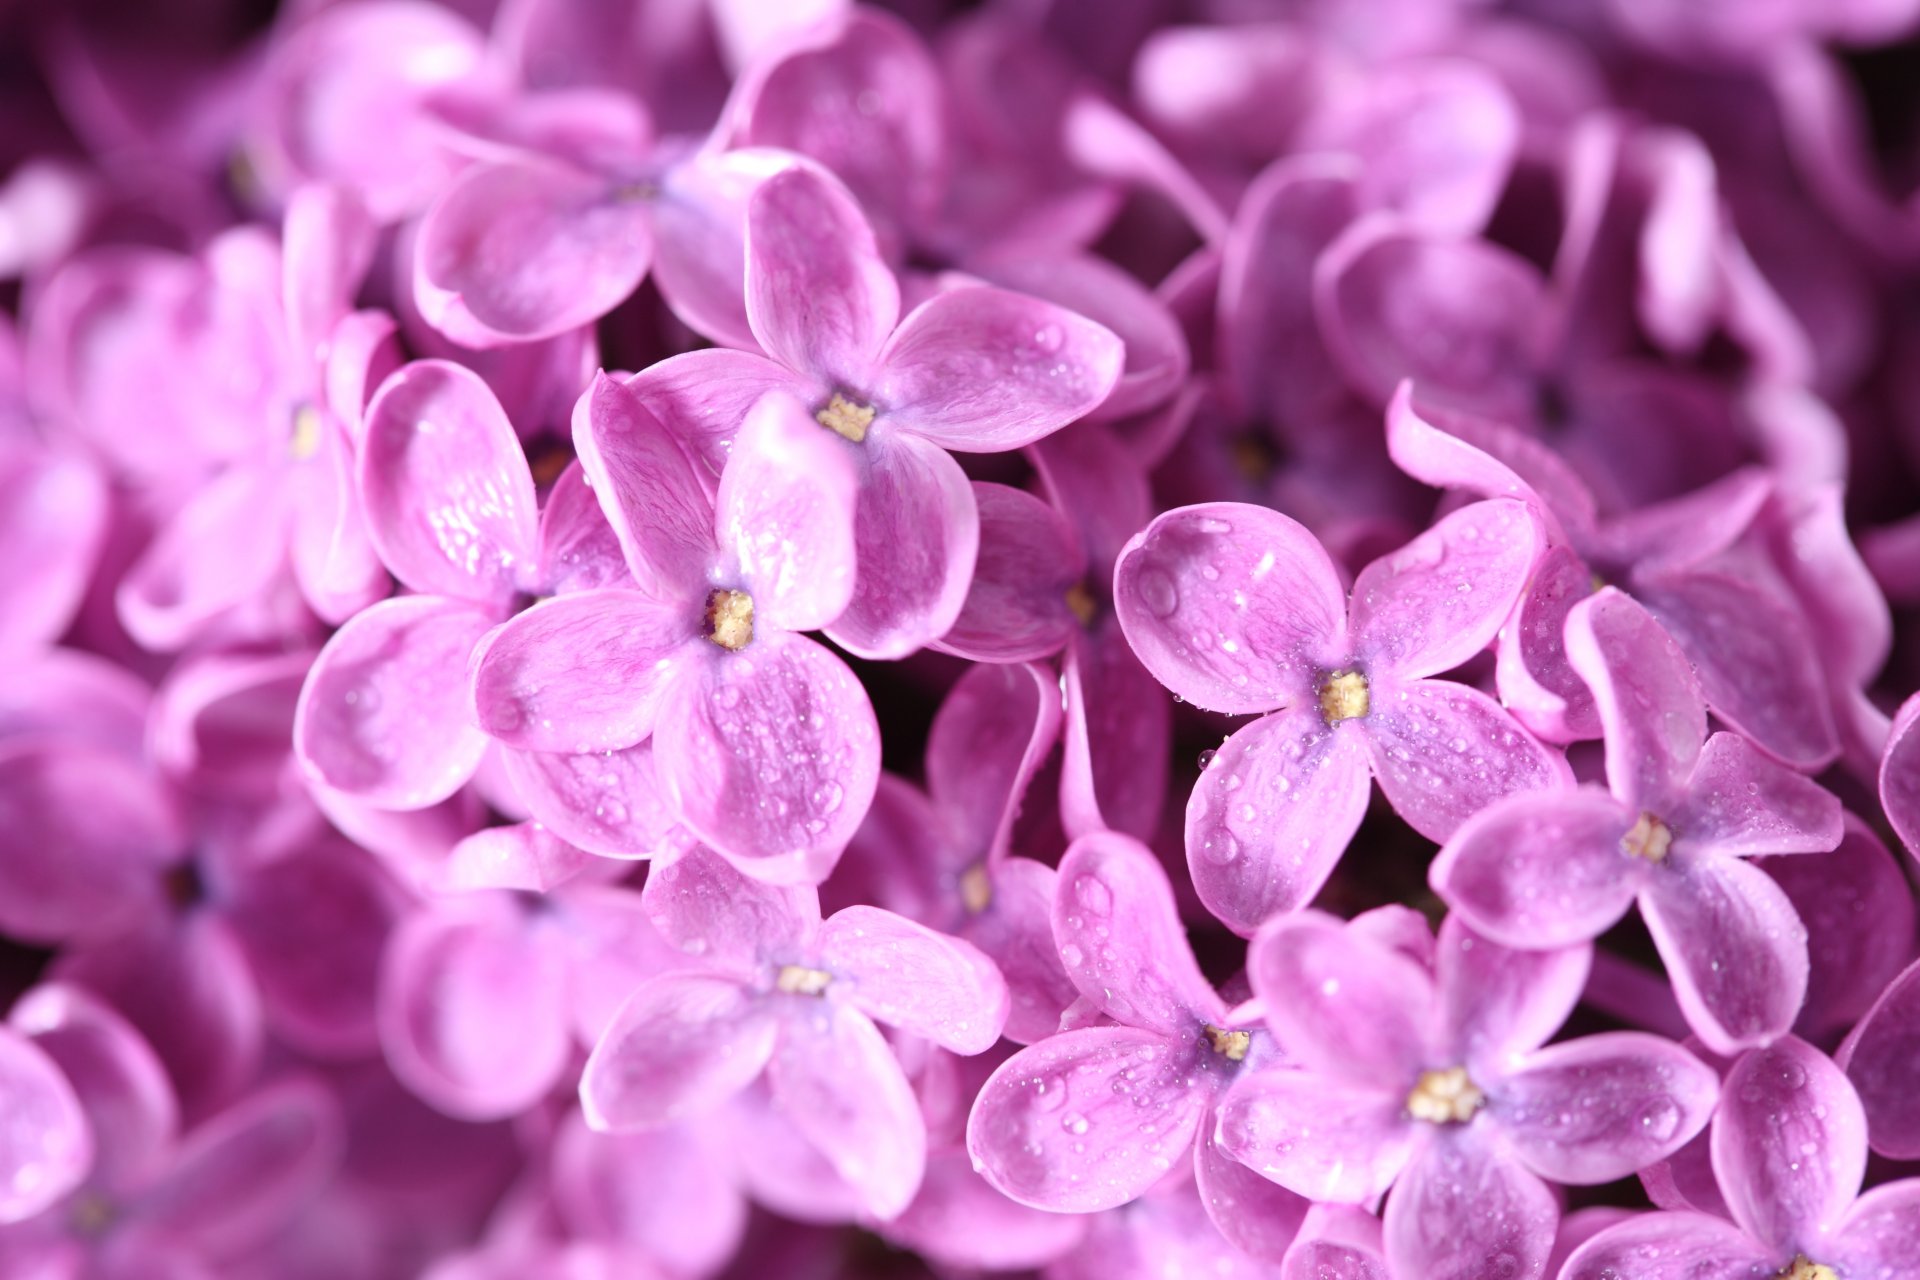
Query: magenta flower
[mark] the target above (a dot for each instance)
(764, 741)
(1092, 1117)
(973, 368)
(1237, 609)
(782, 992)
(1789, 1152)
(1425, 1073)
(1682, 812)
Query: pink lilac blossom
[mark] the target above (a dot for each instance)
(722, 639)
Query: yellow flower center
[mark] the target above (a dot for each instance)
(1802, 1269)
(303, 441)
(730, 619)
(1445, 1097)
(1081, 603)
(1231, 1045)
(1344, 696)
(91, 1215)
(976, 888)
(798, 980)
(845, 418)
(1648, 838)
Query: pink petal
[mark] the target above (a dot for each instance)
(1497, 1002)
(578, 548)
(665, 1192)
(523, 251)
(313, 924)
(1257, 1216)
(1085, 1120)
(993, 730)
(1735, 950)
(47, 1148)
(1016, 607)
(1877, 1237)
(820, 299)
(1646, 694)
(1452, 450)
(1789, 1144)
(243, 1175)
(1900, 776)
(1443, 751)
(1270, 816)
(1860, 925)
(701, 397)
(53, 519)
(132, 1117)
(1113, 772)
(220, 551)
(1322, 1137)
(333, 557)
(1460, 1207)
(786, 514)
(522, 855)
(1337, 1243)
(1342, 1005)
(917, 535)
(1640, 1098)
(659, 505)
(908, 976)
(582, 672)
(473, 1008)
(384, 715)
(328, 242)
(982, 370)
(1687, 531)
(1233, 607)
(1741, 802)
(1535, 680)
(1440, 599)
(1017, 932)
(1459, 317)
(1122, 942)
(707, 908)
(836, 1080)
(1878, 1057)
(1670, 1246)
(1541, 870)
(960, 1221)
(682, 1045)
(449, 500)
(700, 222)
(607, 802)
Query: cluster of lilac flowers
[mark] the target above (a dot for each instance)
(678, 639)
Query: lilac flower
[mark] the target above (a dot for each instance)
(1237, 609)
(943, 857)
(764, 742)
(973, 368)
(1430, 1078)
(1682, 812)
(782, 992)
(1092, 1117)
(1789, 1152)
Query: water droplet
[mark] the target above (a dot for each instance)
(1093, 894)
(1073, 1122)
(1157, 592)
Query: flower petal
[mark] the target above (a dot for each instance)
(1877, 1237)
(917, 535)
(1541, 869)
(1440, 599)
(701, 398)
(1122, 942)
(219, 552)
(473, 1007)
(785, 516)
(1443, 752)
(1735, 950)
(1648, 699)
(47, 1147)
(1342, 1004)
(1119, 721)
(449, 500)
(1860, 925)
(837, 1081)
(1017, 932)
(703, 905)
(993, 730)
(1878, 1058)
(1497, 1003)
(820, 299)
(1233, 607)
(700, 221)
(578, 548)
(1742, 803)
(666, 1192)
(606, 802)
(1789, 1144)
(1603, 1106)
(384, 715)
(1670, 1246)
(522, 251)
(1323, 1137)
(1460, 1209)
(1085, 1120)
(53, 519)
(1016, 607)
(582, 672)
(683, 1044)
(910, 977)
(959, 1220)
(1535, 680)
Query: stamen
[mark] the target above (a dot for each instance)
(1253, 456)
(1445, 1097)
(976, 888)
(798, 980)
(303, 441)
(1801, 1268)
(1648, 838)
(730, 619)
(845, 418)
(1082, 604)
(1344, 697)
(91, 1215)
(1231, 1045)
